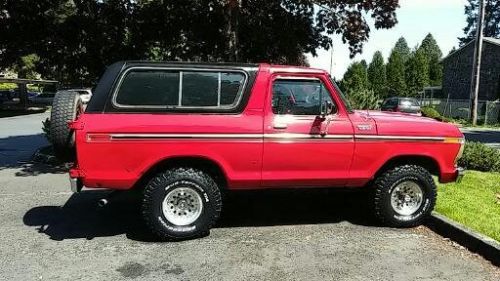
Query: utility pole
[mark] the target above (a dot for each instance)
(331, 61)
(476, 68)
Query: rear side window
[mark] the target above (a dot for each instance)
(158, 88)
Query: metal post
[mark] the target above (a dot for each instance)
(331, 61)
(476, 69)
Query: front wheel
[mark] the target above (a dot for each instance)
(181, 203)
(404, 196)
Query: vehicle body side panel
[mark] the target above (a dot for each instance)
(120, 163)
(313, 159)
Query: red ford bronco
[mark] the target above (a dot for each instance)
(185, 132)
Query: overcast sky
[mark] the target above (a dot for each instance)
(445, 19)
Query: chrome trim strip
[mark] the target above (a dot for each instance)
(181, 76)
(219, 85)
(305, 136)
(185, 136)
(180, 69)
(398, 138)
(276, 136)
(227, 136)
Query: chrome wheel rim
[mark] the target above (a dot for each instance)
(182, 206)
(406, 198)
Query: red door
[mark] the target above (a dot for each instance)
(300, 147)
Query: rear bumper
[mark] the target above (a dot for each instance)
(75, 179)
(76, 184)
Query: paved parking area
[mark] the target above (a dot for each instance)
(490, 137)
(47, 233)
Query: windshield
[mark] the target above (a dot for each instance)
(342, 96)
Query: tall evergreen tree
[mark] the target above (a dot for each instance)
(355, 78)
(396, 84)
(402, 48)
(491, 20)
(417, 72)
(377, 74)
(433, 53)
(356, 86)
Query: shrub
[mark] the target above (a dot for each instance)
(431, 112)
(478, 156)
(363, 99)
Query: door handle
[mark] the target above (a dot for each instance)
(280, 126)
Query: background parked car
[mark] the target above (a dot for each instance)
(401, 104)
(45, 98)
(6, 95)
(32, 96)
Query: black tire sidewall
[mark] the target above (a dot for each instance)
(163, 226)
(424, 209)
(66, 107)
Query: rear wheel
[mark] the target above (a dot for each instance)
(404, 196)
(66, 107)
(181, 203)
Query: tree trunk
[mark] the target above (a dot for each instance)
(232, 15)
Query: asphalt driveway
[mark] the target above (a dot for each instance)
(48, 233)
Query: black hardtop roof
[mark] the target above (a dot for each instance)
(103, 89)
(232, 65)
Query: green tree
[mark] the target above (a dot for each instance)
(25, 67)
(75, 40)
(356, 86)
(396, 82)
(402, 48)
(417, 72)
(491, 20)
(377, 74)
(433, 53)
(363, 99)
(355, 78)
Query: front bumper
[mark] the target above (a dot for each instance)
(460, 174)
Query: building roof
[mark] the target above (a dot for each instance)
(492, 40)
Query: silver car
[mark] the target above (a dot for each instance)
(402, 104)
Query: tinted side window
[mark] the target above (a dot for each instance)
(230, 87)
(177, 88)
(200, 88)
(299, 97)
(143, 88)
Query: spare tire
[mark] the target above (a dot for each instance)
(66, 107)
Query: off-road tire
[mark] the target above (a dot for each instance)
(158, 188)
(65, 107)
(386, 182)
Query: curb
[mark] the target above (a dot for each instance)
(473, 241)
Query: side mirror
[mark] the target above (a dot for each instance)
(327, 108)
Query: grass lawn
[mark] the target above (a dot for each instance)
(475, 202)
